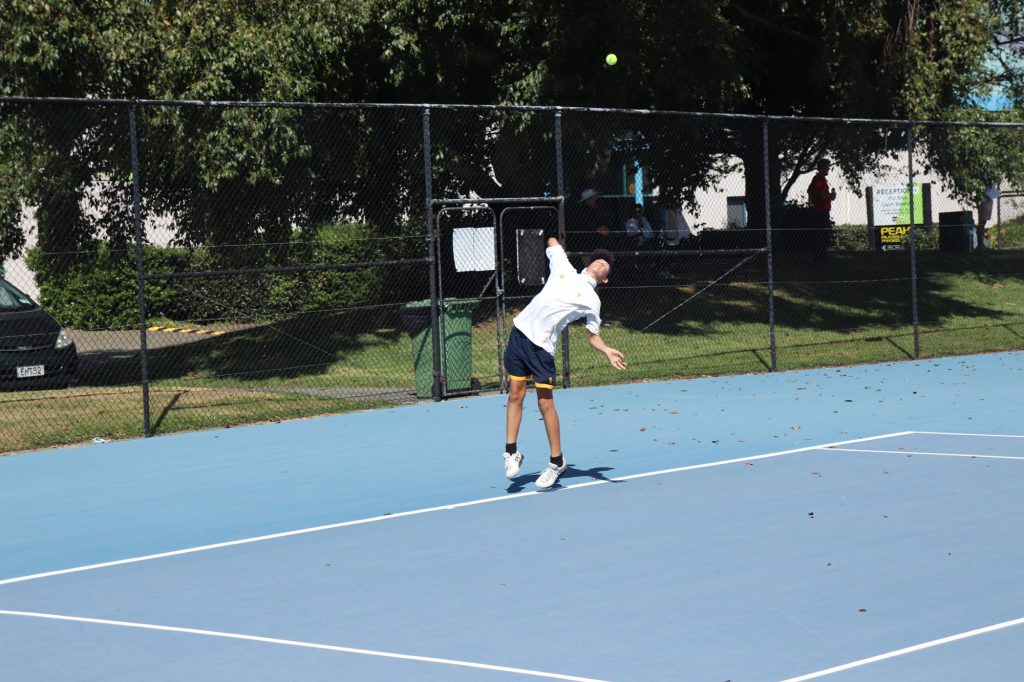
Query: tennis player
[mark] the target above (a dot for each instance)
(567, 296)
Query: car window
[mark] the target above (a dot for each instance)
(13, 299)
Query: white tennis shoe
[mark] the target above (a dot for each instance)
(551, 474)
(512, 464)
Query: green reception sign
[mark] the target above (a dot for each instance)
(889, 213)
(892, 205)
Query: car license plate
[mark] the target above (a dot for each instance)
(31, 371)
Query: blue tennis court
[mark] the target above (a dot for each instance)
(851, 524)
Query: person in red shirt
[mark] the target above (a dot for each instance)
(819, 193)
(821, 198)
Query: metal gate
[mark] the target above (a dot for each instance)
(488, 250)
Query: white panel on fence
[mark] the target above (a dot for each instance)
(474, 249)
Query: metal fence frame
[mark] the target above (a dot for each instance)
(432, 203)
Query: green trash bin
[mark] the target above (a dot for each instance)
(956, 231)
(457, 321)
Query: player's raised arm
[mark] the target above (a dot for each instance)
(558, 260)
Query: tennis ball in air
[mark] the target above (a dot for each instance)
(611, 59)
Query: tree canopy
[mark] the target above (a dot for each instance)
(232, 172)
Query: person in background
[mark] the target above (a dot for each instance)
(592, 225)
(676, 228)
(638, 228)
(988, 199)
(821, 198)
(818, 192)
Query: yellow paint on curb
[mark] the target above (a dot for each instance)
(184, 330)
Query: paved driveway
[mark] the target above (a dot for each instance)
(97, 348)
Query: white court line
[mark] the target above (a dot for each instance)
(458, 505)
(907, 650)
(911, 453)
(973, 435)
(304, 645)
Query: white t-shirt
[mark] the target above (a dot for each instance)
(567, 296)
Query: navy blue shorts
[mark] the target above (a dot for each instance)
(526, 360)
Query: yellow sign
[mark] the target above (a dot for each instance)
(892, 238)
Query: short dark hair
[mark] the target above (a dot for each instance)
(602, 254)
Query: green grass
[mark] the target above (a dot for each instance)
(856, 308)
(37, 419)
(1011, 232)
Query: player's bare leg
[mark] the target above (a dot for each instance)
(546, 403)
(513, 418)
(549, 476)
(514, 412)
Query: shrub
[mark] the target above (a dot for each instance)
(99, 290)
(330, 289)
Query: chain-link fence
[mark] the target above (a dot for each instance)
(200, 265)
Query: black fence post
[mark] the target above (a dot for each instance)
(913, 242)
(428, 185)
(140, 269)
(560, 182)
(768, 246)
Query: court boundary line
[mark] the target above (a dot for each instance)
(908, 650)
(959, 433)
(909, 453)
(296, 643)
(446, 507)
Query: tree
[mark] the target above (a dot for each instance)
(861, 58)
(244, 174)
(1006, 55)
(51, 155)
(224, 174)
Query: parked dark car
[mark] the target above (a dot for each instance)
(35, 351)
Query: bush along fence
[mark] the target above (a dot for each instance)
(203, 264)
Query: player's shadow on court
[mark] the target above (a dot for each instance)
(519, 483)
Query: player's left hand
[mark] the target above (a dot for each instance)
(615, 357)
